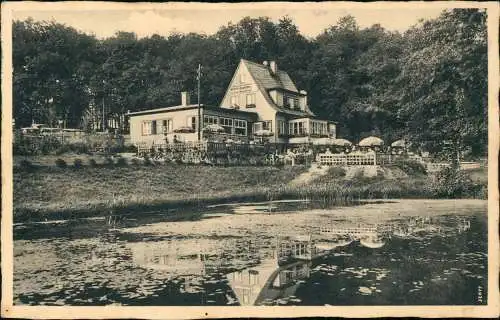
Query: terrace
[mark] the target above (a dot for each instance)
(303, 129)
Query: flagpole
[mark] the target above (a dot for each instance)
(199, 107)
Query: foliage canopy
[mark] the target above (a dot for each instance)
(428, 85)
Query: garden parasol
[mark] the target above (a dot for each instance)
(371, 142)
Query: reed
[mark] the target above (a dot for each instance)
(58, 193)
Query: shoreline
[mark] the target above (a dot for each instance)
(191, 209)
(66, 193)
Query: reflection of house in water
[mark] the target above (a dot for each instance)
(277, 276)
(298, 247)
(267, 281)
(178, 257)
(371, 237)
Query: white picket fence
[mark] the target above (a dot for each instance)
(350, 159)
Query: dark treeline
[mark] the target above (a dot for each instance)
(428, 84)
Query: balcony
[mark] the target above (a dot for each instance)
(307, 134)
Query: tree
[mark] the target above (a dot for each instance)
(428, 84)
(52, 63)
(443, 83)
(350, 72)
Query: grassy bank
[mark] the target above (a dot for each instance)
(104, 190)
(67, 191)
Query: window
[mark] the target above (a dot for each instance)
(242, 77)
(281, 127)
(227, 124)
(324, 129)
(257, 126)
(192, 122)
(333, 130)
(291, 102)
(314, 128)
(267, 125)
(298, 128)
(250, 100)
(153, 127)
(146, 128)
(240, 127)
(167, 125)
(301, 128)
(210, 120)
(286, 102)
(291, 128)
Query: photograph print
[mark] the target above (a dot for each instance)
(249, 155)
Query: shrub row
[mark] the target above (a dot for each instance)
(411, 167)
(53, 145)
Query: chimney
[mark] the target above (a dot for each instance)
(304, 99)
(274, 67)
(185, 98)
(265, 63)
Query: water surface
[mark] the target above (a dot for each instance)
(426, 252)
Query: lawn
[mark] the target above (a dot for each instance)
(51, 189)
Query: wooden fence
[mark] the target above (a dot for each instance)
(349, 159)
(62, 141)
(222, 153)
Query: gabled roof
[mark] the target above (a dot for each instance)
(262, 74)
(267, 81)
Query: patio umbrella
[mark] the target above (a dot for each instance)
(341, 142)
(371, 142)
(184, 130)
(322, 141)
(263, 133)
(214, 128)
(399, 144)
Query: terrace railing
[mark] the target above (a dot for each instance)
(350, 159)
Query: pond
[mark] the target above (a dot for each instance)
(400, 252)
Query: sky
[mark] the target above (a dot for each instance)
(311, 18)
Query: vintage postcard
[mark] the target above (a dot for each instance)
(210, 160)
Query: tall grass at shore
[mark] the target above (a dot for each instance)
(62, 192)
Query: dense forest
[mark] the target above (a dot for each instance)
(428, 84)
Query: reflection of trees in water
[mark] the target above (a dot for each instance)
(415, 226)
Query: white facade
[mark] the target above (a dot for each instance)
(156, 127)
(259, 97)
(280, 110)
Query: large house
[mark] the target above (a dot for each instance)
(260, 100)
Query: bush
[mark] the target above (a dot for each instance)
(135, 161)
(453, 183)
(121, 162)
(26, 165)
(109, 162)
(60, 163)
(336, 172)
(64, 148)
(411, 167)
(93, 163)
(78, 163)
(130, 149)
(79, 147)
(148, 162)
(49, 144)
